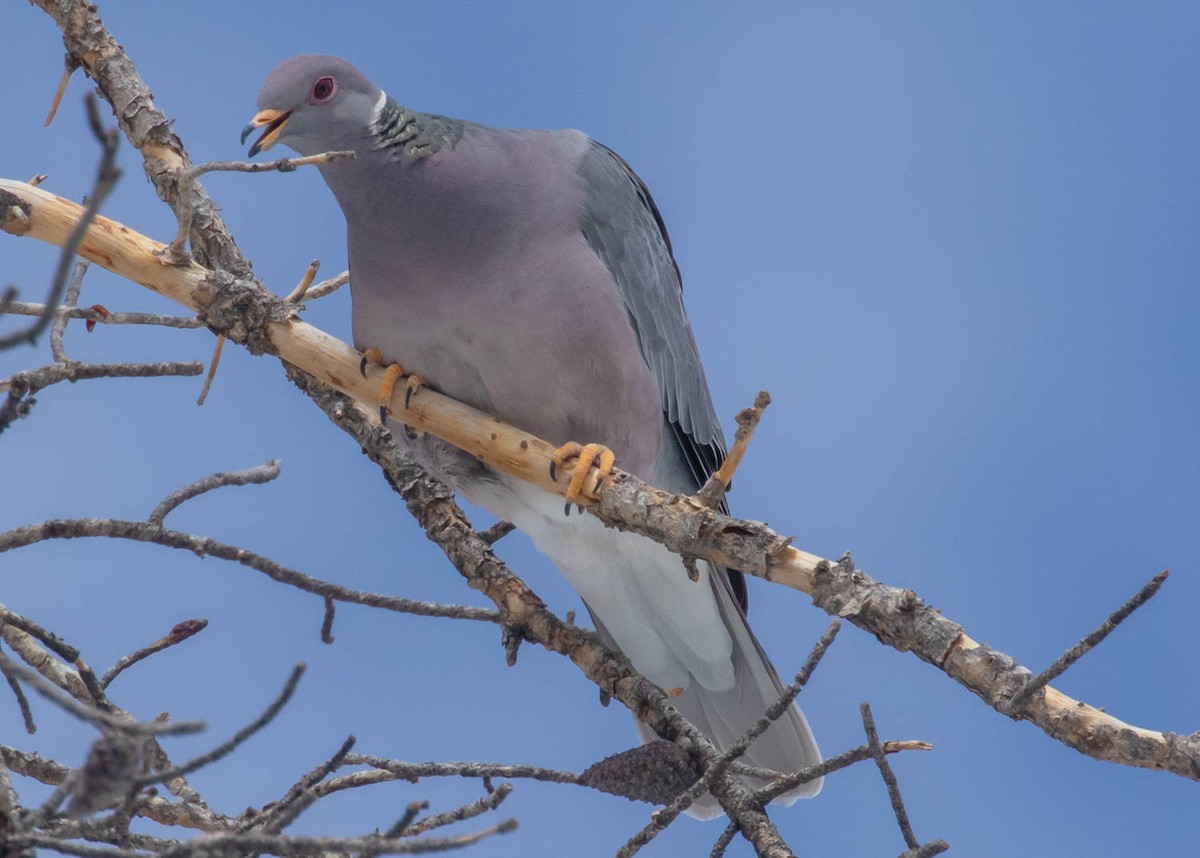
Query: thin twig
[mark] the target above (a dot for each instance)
(103, 317)
(297, 294)
(106, 176)
(496, 532)
(280, 814)
(91, 714)
(32, 380)
(1084, 646)
(256, 475)
(69, 66)
(414, 771)
(400, 826)
(52, 641)
(60, 648)
(143, 531)
(22, 700)
(458, 814)
(50, 806)
(723, 841)
(174, 252)
(56, 671)
(189, 813)
(10, 816)
(212, 369)
(22, 386)
(227, 747)
(327, 621)
(70, 299)
(178, 634)
(8, 300)
(327, 287)
(889, 777)
(665, 816)
(714, 489)
(829, 765)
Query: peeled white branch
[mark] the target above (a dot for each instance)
(239, 309)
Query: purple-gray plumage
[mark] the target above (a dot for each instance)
(529, 274)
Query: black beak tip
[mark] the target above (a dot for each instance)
(247, 131)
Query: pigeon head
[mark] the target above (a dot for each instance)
(313, 103)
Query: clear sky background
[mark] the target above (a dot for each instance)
(957, 242)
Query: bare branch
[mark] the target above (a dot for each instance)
(717, 768)
(69, 66)
(91, 714)
(227, 747)
(327, 287)
(189, 814)
(106, 176)
(103, 317)
(10, 817)
(59, 324)
(410, 813)
(713, 491)
(257, 475)
(95, 692)
(174, 252)
(23, 385)
(832, 764)
(889, 777)
(298, 797)
(398, 769)
(896, 616)
(56, 644)
(297, 294)
(497, 531)
(213, 363)
(143, 531)
(178, 634)
(22, 700)
(1084, 646)
(466, 811)
(327, 621)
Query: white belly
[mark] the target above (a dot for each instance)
(665, 623)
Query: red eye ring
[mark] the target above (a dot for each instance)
(323, 90)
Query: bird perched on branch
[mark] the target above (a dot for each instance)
(529, 274)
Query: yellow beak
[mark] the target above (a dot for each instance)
(273, 120)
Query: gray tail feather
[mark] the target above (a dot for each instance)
(725, 716)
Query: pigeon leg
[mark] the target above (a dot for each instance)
(586, 456)
(391, 374)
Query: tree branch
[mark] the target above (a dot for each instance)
(897, 617)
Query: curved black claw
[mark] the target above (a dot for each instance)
(553, 475)
(408, 392)
(567, 509)
(362, 366)
(409, 433)
(383, 413)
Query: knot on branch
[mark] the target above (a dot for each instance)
(241, 312)
(14, 213)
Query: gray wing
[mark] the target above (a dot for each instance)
(625, 229)
(623, 226)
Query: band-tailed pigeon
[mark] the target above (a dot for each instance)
(529, 274)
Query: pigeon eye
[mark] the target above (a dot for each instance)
(323, 89)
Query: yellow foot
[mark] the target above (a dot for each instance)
(391, 374)
(586, 456)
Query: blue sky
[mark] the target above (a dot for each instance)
(955, 241)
